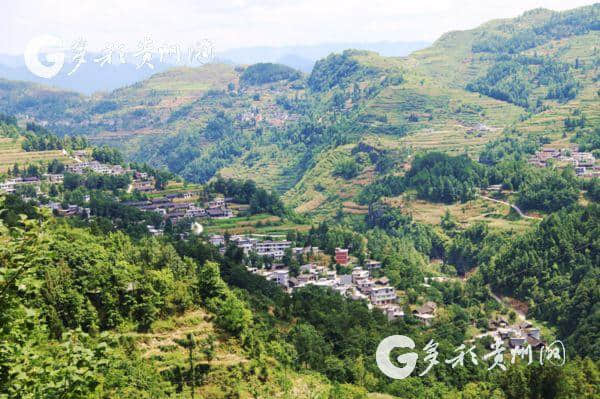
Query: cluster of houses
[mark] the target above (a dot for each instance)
(143, 182)
(81, 167)
(358, 285)
(518, 335)
(10, 185)
(96, 167)
(271, 115)
(169, 208)
(175, 207)
(583, 162)
(218, 209)
(70, 210)
(270, 248)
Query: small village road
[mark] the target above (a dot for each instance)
(513, 206)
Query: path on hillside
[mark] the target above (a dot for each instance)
(519, 313)
(513, 206)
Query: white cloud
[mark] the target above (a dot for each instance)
(242, 23)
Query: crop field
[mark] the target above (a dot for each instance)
(451, 139)
(493, 214)
(320, 192)
(11, 153)
(256, 224)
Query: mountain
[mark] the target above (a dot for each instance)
(526, 74)
(90, 77)
(93, 77)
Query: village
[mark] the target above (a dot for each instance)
(583, 162)
(358, 285)
(77, 167)
(361, 284)
(173, 207)
(520, 334)
(178, 206)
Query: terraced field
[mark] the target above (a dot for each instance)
(320, 192)
(11, 153)
(265, 165)
(493, 214)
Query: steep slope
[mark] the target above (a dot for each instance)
(63, 110)
(528, 74)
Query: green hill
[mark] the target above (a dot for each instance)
(269, 123)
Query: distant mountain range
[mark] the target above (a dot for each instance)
(91, 77)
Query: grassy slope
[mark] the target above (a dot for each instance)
(435, 78)
(63, 109)
(159, 347)
(160, 95)
(322, 193)
(588, 101)
(11, 153)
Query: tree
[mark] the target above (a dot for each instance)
(189, 343)
(210, 284)
(208, 347)
(310, 345)
(53, 191)
(107, 154)
(347, 168)
(232, 314)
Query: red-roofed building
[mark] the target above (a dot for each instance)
(341, 256)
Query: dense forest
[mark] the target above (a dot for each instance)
(435, 176)
(38, 138)
(246, 192)
(573, 22)
(337, 69)
(515, 78)
(262, 73)
(554, 269)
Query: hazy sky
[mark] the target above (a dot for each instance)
(244, 23)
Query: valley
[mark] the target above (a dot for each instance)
(255, 231)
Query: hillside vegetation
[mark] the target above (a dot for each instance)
(534, 74)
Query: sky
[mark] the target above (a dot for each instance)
(246, 23)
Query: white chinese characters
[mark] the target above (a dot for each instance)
(553, 353)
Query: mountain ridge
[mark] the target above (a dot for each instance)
(438, 97)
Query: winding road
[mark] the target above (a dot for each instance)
(513, 206)
(522, 316)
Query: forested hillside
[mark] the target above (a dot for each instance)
(554, 268)
(89, 314)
